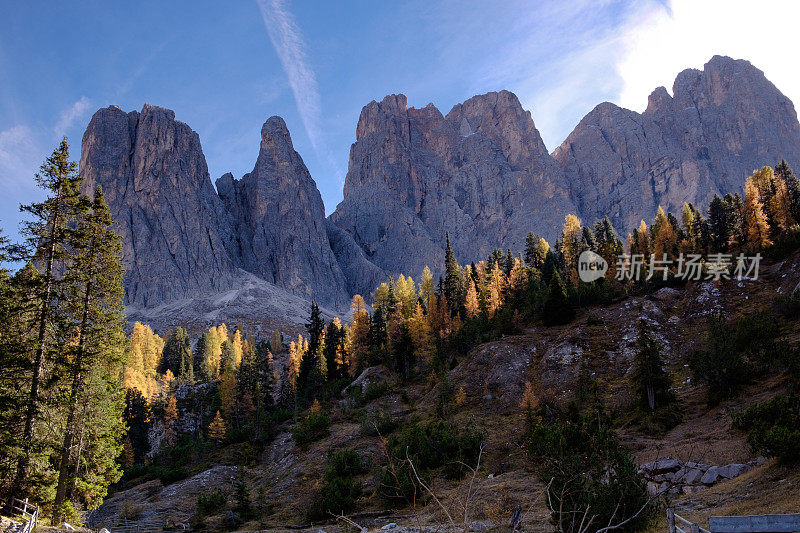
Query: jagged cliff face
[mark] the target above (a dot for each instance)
(480, 173)
(719, 125)
(278, 218)
(155, 179)
(219, 254)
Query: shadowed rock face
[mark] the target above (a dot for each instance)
(155, 179)
(181, 240)
(719, 125)
(279, 221)
(481, 172)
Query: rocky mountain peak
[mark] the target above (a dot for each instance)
(152, 170)
(720, 124)
(659, 99)
(500, 117)
(388, 115)
(279, 221)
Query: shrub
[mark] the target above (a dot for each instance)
(435, 448)
(130, 511)
(169, 475)
(373, 391)
(787, 306)
(244, 507)
(380, 423)
(338, 496)
(210, 503)
(341, 490)
(721, 365)
(773, 427)
(343, 463)
(313, 427)
(591, 472)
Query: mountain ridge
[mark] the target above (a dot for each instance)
(480, 173)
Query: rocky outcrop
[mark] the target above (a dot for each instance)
(719, 124)
(278, 220)
(673, 476)
(155, 179)
(480, 173)
(361, 276)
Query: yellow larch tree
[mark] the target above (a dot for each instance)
(755, 220)
(571, 245)
(217, 428)
(471, 304)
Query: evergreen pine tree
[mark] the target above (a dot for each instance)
(47, 236)
(650, 381)
(718, 222)
(136, 417)
(531, 249)
(557, 307)
(784, 172)
(452, 279)
(332, 351)
(404, 352)
(178, 356)
(94, 286)
(315, 327)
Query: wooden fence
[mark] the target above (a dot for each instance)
(766, 523)
(28, 512)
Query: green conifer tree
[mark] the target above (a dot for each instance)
(557, 307)
(46, 239)
(94, 287)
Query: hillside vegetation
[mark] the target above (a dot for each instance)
(508, 393)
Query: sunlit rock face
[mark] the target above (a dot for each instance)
(481, 173)
(719, 124)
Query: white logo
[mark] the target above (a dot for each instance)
(591, 266)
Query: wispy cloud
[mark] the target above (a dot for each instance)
(70, 115)
(288, 42)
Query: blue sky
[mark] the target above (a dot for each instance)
(224, 67)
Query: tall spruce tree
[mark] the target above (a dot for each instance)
(308, 366)
(178, 356)
(17, 312)
(94, 286)
(557, 307)
(46, 246)
(136, 417)
(650, 380)
(785, 172)
(452, 278)
(333, 351)
(718, 222)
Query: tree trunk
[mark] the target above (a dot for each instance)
(24, 461)
(77, 461)
(651, 397)
(69, 431)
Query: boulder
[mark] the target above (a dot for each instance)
(711, 476)
(732, 470)
(661, 466)
(692, 476)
